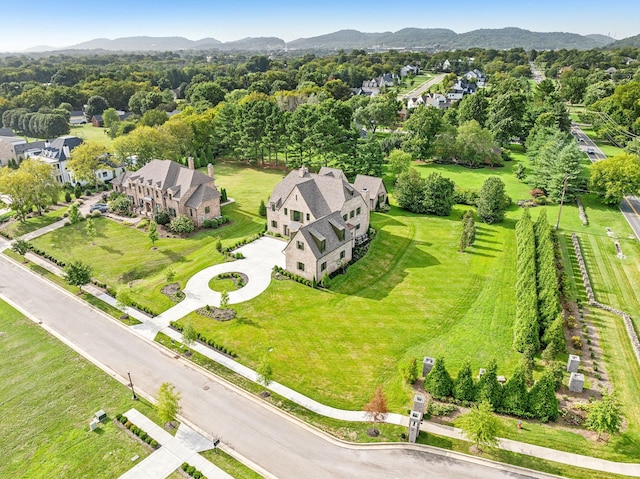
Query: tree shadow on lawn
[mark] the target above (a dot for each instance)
(111, 250)
(380, 282)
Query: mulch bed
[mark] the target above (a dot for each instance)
(217, 313)
(173, 292)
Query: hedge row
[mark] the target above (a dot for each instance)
(527, 327)
(513, 398)
(143, 308)
(547, 273)
(136, 430)
(6, 235)
(215, 222)
(242, 242)
(46, 255)
(206, 341)
(295, 277)
(192, 471)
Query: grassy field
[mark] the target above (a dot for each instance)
(418, 80)
(16, 228)
(88, 132)
(123, 255)
(412, 295)
(49, 394)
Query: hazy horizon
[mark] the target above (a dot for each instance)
(62, 24)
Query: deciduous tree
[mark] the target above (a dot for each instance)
(86, 159)
(492, 200)
(480, 425)
(376, 410)
(77, 273)
(168, 405)
(616, 177)
(604, 415)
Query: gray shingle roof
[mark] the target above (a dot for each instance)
(370, 183)
(202, 194)
(326, 228)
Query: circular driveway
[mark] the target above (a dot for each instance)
(260, 257)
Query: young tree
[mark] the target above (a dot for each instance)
(168, 405)
(515, 397)
(21, 247)
(77, 273)
(90, 229)
(262, 210)
(170, 275)
(376, 410)
(543, 403)
(224, 300)
(464, 386)
(604, 416)
(152, 233)
(189, 334)
(265, 371)
(74, 214)
(488, 388)
(480, 425)
(492, 200)
(438, 382)
(44, 187)
(409, 371)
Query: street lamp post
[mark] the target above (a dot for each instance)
(131, 386)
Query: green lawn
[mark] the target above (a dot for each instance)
(230, 465)
(123, 255)
(49, 394)
(418, 80)
(88, 132)
(412, 295)
(17, 228)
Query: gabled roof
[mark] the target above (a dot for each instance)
(330, 229)
(335, 172)
(364, 183)
(173, 177)
(59, 148)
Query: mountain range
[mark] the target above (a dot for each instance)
(409, 38)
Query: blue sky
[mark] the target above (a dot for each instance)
(61, 23)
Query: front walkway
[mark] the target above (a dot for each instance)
(174, 451)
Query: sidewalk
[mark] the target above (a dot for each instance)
(148, 328)
(174, 450)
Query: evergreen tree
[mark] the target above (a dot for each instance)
(554, 336)
(262, 210)
(526, 328)
(438, 382)
(488, 388)
(464, 386)
(471, 227)
(543, 403)
(152, 233)
(515, 397)
(492, 201)
(409, 371)
(90, 229)
(546, 271)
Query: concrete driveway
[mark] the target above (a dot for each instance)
(260, 257)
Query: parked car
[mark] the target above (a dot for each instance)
(590, 151)
(101, 207)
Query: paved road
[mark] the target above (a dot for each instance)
(422, 88)
(284, 447)
(630, 205)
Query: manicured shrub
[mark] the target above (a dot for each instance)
(182, 224)
(543, 403)
(438, 382)
(67, 197)
(576, 341)
(488, 388)
(515, 397)
(464, 386)
(161, 217)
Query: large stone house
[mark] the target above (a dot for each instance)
(323, 216)
(15, 148)
(167, 185)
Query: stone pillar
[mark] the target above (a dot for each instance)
(415, 418)
(418, 403)
(427, 365)
(190, 163)
(576, 382)
(573, 363)
(481, 372)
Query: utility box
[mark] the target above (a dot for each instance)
(427, 365)
(93, 425)
(576, 382)
(573, 363)
(100, 416)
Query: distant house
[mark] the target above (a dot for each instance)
(98, 121)
(323, 216)
(15, 148)
(611, 70)
(479, 77)
(167, 185)
(409, 70)
(430, 99)
(77, 117)
(461, 88)
(57, 153)
(374, 86)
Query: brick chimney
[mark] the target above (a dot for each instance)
(303, 171)
(210, 171)
(190, 163)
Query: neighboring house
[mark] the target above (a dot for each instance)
(372, 190)
(57, 153)
(476, 74)
(98, 121)
(16, 148)
(430, 99)
(409, 70)
(76, 117)
(167, 185)
(460, 89)
(307, 207)
(373, 87)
